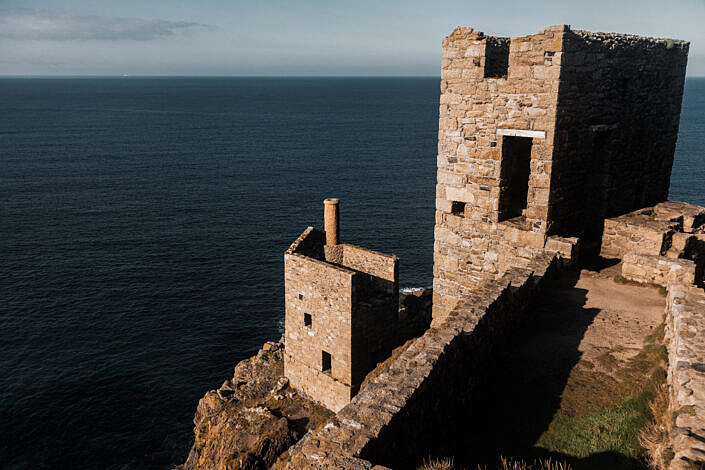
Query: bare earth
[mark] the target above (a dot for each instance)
(626, 315)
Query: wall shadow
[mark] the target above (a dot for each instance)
(520, 391)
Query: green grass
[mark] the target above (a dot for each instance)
(615, 428)
(611, 426)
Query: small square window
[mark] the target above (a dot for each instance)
(325, 362)
(307, 320)
(457, 208)
(301, 297)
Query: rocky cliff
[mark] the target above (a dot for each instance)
(252, 418)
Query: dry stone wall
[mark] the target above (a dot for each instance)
(686, 373)
(659, 270)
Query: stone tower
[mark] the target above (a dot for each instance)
(341, 312)
(541, 138)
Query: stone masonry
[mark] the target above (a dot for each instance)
(341, 314)
(540, 138)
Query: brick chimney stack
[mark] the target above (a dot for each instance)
(331, 220)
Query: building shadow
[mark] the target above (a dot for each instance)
(521, 389)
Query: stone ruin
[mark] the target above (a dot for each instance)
(540, 139)
(341, 312)
(552, 148)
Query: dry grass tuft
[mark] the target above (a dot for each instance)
(505, 464)
(654, 436)
(439, 464)
(509, 464)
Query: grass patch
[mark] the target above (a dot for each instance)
(611, 429)
(619, 413)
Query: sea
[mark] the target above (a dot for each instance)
(143, 223)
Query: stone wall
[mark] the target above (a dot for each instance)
(579, 126)
(341, 306)
(403, 413)
(323, 291)
(660, 244)
(477, 100)
(686, 373)
(659, 270)
(637, 233)
(617, 117)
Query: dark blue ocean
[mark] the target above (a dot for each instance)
(142, 228)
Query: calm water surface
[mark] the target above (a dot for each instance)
(142, 227)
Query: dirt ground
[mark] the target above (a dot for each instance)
(624, 314)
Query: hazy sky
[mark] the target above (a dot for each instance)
(304, 37)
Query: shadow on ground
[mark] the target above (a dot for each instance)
(520, 394)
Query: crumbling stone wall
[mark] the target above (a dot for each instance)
(686, 373)
(659, 270)
(404, 412)
(529, 153)
(660, 244)
(341, 307)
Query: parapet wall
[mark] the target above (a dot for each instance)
(397, 418)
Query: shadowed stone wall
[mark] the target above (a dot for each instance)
(405, 412)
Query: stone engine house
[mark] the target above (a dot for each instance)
(540, 139)
(341, 312)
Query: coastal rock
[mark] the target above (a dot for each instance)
(252, 418)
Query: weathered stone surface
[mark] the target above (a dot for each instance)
(658, 270)
(245, 423)
(691, 217)
(341, 316)
(686, 372)
(638, 233)
(596, 139)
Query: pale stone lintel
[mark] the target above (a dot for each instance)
(522, 133)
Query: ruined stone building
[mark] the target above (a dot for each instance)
(552, 148)
(540, 139)
(341, 312)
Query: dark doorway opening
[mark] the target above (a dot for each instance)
(596, 189)
(514, 176)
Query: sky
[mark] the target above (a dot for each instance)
(299, 37)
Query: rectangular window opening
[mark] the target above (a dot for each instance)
(496, 57)
(307, 320)
(515, 168)
(325, 362)
(457, 208)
